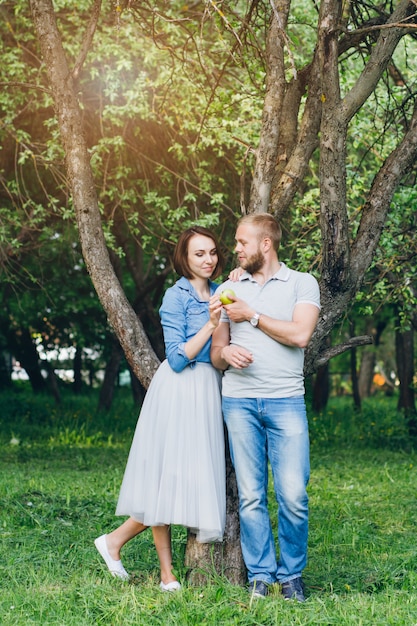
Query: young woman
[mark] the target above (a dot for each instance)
(175, 472)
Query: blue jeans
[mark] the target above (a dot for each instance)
(276, 429)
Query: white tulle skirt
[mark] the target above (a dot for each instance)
(175, 473)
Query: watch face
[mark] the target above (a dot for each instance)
(254, 321)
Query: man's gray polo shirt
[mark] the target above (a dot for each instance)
(277, 370)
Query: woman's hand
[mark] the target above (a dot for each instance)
(235, 274)
(236, 356)
(215, 309)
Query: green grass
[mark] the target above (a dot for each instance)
(60, 472)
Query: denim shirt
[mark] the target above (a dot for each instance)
(182, 315)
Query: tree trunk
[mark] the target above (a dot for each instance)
(404, 352)
(138, 391)
(205, 559)
(321, 384)
(275, 88)
(354, 370)
(25, 352)
(110, 376)
(5, 370)
(355, 381)
(77, 365)
(53, 383)
(321, 388)
(366, 373)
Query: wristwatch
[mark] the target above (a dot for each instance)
(255, 319)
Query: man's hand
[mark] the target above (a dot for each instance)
(239, 311)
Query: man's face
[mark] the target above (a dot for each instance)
(248, 249)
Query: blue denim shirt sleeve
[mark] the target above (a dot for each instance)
(173, 326)
(182, 316)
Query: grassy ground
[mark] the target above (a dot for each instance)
(60, 471)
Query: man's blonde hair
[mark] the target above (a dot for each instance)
(266, 225)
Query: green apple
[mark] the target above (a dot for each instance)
(226, 295)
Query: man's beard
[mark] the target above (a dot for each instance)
(254, 263)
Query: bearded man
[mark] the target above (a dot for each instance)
(259, 344)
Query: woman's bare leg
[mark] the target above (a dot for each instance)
(124, 533)
(109, 546)
(162, 540)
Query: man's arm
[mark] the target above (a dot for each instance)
(296, 332)
(223, 354)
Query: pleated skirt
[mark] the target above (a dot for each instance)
(175, 473)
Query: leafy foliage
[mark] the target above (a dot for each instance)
(172, 96)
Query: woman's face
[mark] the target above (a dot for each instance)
(202, 256)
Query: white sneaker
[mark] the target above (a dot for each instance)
(173, 586)
(115, 567)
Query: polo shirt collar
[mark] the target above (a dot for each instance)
(282, 274)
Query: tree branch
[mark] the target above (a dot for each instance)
(333, 131)
(287, 180)
(88, 38)
(274, 96)
(333, 351)
(377, 205)
(378, 61)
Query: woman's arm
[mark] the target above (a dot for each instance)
(179, 351)
(197, 343)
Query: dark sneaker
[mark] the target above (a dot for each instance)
(258, 589)
(293, 589)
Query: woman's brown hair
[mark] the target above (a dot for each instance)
(181, 252)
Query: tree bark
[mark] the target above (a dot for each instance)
(5, 370)
(274, 96)
(53, 383)
(295, 157)
(142, 304)
(366, 373)
(110, 376)
(404, 352)
(368, 358)
(222, 558)
(355, 383)
(138, 391)
(321, 388)
(77, 364)
(24, 349)
(345, 258)
(333, 130)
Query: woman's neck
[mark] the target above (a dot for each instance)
(201, 286)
